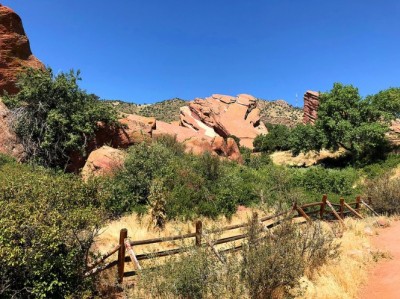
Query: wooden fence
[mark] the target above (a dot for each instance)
(323, 210)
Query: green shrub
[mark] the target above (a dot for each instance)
(47, 225)
(322, 181)
(384, 193)
(54, 117)
(277, 139)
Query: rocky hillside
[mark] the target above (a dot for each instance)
(279, 112)
(167, 111)
(274, 112)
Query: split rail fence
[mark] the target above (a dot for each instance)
(323, 210)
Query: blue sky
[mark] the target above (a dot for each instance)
(147, 51)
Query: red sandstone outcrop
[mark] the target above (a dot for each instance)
(103, 161)
(15, 50)
(9, 143)
(135, 129)
(311, 103)
(222, 115)
(197, 142)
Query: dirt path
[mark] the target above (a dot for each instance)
(384, 278)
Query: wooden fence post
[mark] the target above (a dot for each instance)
(358, 204)
(123, 234)
(199, 232)
(341, 211)
(322, 208)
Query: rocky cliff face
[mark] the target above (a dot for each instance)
(311, 103)
(9, 143)
(15, 50)
(222, 115)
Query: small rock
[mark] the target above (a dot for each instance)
(382, 222)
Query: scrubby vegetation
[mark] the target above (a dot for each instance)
(49, 219)
(54, 117)
(47, 224)
(264, 269)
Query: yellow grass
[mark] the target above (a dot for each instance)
(308, 159)
(342, 278)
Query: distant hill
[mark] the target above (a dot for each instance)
(167, 110)
(274, 112)
(279, 112)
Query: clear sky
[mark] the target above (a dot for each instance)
(146, 51)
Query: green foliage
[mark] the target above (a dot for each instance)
(277, 139)
(349, 122)
(387, 102)
(345, 120)
(319, 180)
(54, 117)
(47, 225)
(304, 138)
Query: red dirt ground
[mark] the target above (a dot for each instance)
(384, 278)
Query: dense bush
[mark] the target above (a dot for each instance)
(47, 225)
(323, 181)
(277, 139)
(54, 117)
(385, 194)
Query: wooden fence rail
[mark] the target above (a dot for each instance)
(339, 211)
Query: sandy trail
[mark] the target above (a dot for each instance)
(384, 279)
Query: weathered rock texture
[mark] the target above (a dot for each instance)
(103, 161)
(9, 143)
(197, 142)
(222, 115)
(311, 103)
(135, 129)
(15, 50)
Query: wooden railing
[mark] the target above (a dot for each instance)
(326, 211)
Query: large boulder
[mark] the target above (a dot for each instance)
(196, 142)
(311, 104)
(222, 115)
(103, 161)
(134, 129)
(9, 143)
(15, 50)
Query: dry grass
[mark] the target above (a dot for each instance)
(308, 159)
(342, 278)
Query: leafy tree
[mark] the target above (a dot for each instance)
(276, 139)
(54, 116)
(345, 120)
(387, 102)
(304, 138)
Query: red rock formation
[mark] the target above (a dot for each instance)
(103, 161)
(9, 143)
(197, 142)
(222, 115)
(15, 51)
(135, 129)
(311, 103)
